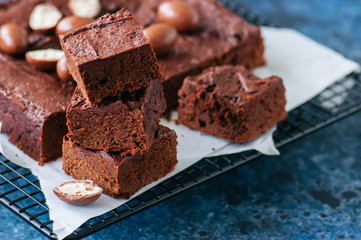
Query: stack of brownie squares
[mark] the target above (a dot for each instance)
(114, 134)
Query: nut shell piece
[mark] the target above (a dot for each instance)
(44, 17)
(85, 8)
(44, 59)
(78, 192)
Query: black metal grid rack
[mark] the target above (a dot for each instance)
(20, 190)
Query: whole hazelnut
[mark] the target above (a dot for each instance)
(13, 39)
(180, 15)
(62, 70)
(70, 23)
(161, 37)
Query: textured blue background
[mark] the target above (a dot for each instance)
(311, 191)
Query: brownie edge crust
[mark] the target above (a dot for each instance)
(119, 175)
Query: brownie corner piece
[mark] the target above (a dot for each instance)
(232, 103)
(122, 175)
(126, 123)
(110, 55)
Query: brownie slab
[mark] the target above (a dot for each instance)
(122, 175)
(232, 103)
(110, 55)
(32, 109)
(125, 123)
(222, 38)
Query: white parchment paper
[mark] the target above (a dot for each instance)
(306, 67)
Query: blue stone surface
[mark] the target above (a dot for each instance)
(311, 191)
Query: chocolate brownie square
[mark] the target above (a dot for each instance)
(232, 103)
(32, 109)
(110, 55)
(122, 175)
(125, 123)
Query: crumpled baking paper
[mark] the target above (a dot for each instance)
(306, 67)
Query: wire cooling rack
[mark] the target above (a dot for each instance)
(21, 193)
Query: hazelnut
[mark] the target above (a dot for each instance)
(79, 192)
(44, 59)
(44, 17)
(13, 39)
(85, 8)
(161, 37)
(63, 70)
(70, 23)
(179, 15)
